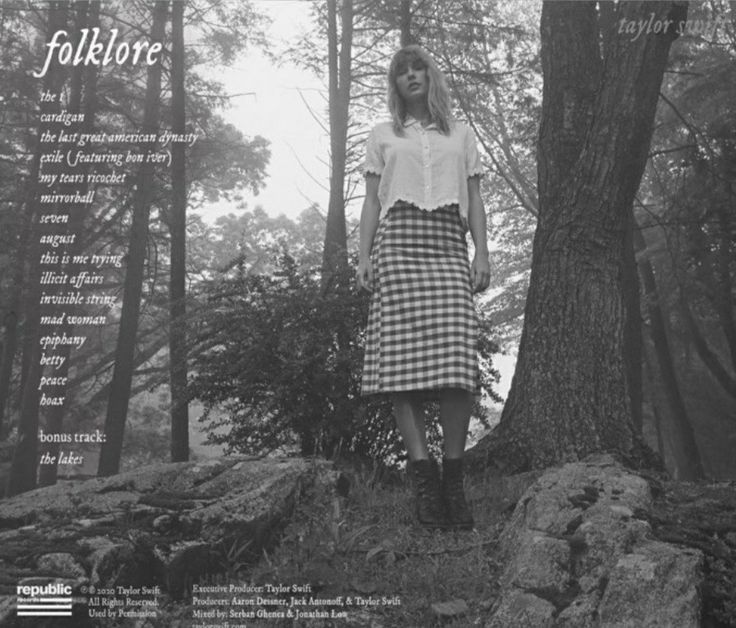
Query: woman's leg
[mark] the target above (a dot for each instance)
(455, 407)
(409, 415)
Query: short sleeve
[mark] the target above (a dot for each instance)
(473, 165)
(373, 163)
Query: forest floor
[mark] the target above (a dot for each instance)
(367, 548)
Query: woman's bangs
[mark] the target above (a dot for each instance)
(404, 59)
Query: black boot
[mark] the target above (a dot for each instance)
(430, 512)
(458, 511)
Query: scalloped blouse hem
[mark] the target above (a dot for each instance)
(427, 208)
(419, 205)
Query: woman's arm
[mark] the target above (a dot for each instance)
(369, 217)
(480, 269)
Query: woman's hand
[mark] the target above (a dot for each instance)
(480, 269)
(365, 274)
(480, 272)
(369, 218)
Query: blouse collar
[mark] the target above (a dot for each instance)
(411, 121)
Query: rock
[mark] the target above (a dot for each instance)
(653, 587)
(7, 609)
(115, 562)
(167, 525)
(577, 554)
(180, 563)
(522, 610)
(61, 563)
(450, 609)
(578, 614)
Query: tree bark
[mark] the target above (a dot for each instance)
(177, 226)
(571, 382)
(335, 253)
(117, 406)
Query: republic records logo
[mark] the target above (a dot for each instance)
(50, 600)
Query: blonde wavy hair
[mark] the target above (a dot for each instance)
(438, 95)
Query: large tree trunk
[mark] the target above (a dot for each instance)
(335, 253)
(24, 465)
(177, 227)
(570, 396)
(117, 406)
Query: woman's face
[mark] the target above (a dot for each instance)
(412, 81)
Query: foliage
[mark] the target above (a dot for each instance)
(283, 357)
(282, 362)
(147, 441)
(367, 545)
(246, 240)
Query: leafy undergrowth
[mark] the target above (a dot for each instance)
(368, 547)
(703, 516)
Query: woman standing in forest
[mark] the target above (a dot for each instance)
(422, 174)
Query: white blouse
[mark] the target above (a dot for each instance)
(424, 167)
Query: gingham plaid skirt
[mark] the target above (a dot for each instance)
(422, 325)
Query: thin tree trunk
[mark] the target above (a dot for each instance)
(684, 447)
(117, 407)
(177, 225)
(335, 253)
(632, 325)
(405, 23)
(10, 333)
(724, 281)
(24, 465)
(571, 378)
(712, 266)
(653, 400)
(705, 352)
(83, 78)
(27, 250)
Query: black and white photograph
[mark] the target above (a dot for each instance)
(367, 313)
